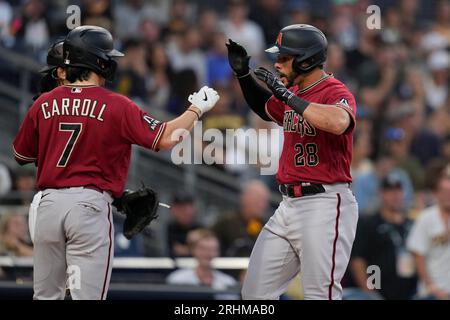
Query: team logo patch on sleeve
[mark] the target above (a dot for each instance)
(152, 123)
(344, 103)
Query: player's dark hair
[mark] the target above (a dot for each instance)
(77, 74)
(47, 83)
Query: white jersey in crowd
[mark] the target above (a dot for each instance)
(221, 281)
(431, 238)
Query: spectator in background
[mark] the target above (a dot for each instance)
(180, 16)
(429, 241)
(445, 149)
(184, 53)
(208, 24)
(299, 12)
(398, 149)
(344, 23)
(31, 26)
(218, 68)
(268, 15)
(14, 238)
(5, 180)
(238, 27)
(129, 14)
(204, 247)
(132, 75)
(149, 31)
(183, 83)
(183, 221)
(97, 13)
(237, 232)
(362, 165)
(367, 186)
(409, 11)
(24, 188)
(436, 85)
(442, 24)
(425, 145)
(381, 241)
(160, 76)
(335, 64)
(6, 15)
(223, 119)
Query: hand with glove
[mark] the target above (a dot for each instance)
(140, 208)
(238, 58)
(280, 91)
(204, 100)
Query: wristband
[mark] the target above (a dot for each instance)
(298, 104)
(196, 113)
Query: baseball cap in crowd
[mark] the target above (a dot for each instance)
(181, 197)
(391, 181)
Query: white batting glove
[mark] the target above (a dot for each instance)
(204, 99)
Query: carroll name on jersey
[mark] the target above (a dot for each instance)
(73, 107)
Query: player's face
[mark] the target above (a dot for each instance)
(283, 65)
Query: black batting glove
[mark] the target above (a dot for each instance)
(280, 91)
(238, 58)
(274, 84)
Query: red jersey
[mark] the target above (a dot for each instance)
(82, 135)
(310, 154)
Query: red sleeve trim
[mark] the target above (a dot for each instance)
(22, 157)
(158, 136)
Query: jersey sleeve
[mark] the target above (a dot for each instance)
(342, 98)
(275, 110)
(26, 143)
(138, 127)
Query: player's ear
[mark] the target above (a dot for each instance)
(61, 73)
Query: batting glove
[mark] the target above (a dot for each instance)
(204, 99)
(274, 84)
(238, 58)
(280, 91)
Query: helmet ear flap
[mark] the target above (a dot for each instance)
(296, 64)
(300, 65)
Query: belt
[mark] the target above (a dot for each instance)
(301, 189)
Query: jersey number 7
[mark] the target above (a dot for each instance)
(76, 129)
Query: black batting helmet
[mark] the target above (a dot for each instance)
(54, 56)
(91, 47)
(305, 42)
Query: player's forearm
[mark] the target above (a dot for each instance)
(183, 123)
(327, 118)
(255, 95)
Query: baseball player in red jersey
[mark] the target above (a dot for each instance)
(313, 229)
(53, 73)
(80, 136)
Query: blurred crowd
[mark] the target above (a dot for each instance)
(399, 75)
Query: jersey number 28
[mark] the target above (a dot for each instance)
(306, 154)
